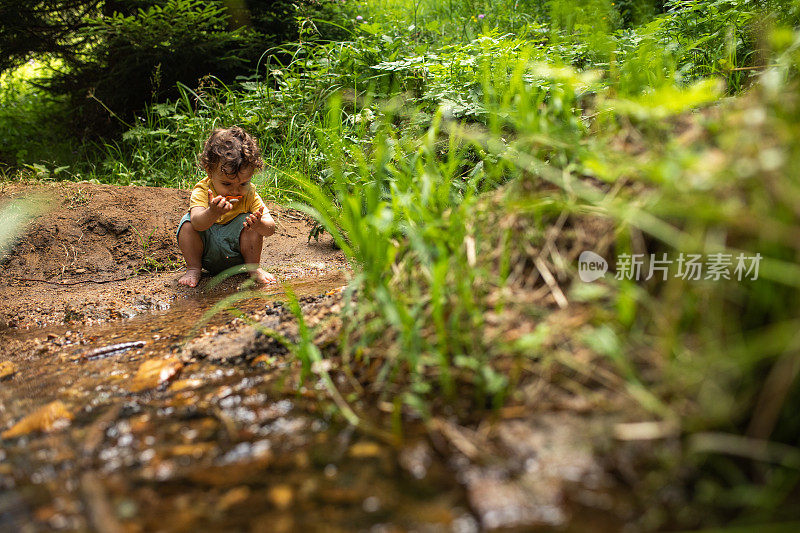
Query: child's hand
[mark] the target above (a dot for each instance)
(219, 204)
(253, 221)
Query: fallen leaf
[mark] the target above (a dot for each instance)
(54, 415)
(231, 474)
(235, 496)
(281, 496)
(363, 450)
(186, 384)
(7, 369)
(154, 372)
(194, 450)
(267, 360)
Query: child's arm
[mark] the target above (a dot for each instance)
(261, 221)
(203, 218)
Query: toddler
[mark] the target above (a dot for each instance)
(227, 219)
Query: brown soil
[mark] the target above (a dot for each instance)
(101, 252)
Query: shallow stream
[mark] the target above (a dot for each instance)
(212, 446)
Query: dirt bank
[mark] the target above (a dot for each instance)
(101, 252)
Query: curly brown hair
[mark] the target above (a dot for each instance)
(230, 149)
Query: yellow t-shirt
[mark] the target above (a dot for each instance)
(248, 204)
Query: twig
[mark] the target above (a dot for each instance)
(71, 282)
(750, 68)
(773, 396)
(457, 438)
(96, 432)
(293, 217)
(93, 97)
(739, 446)
(561, 300)
(113, 349)
(101, 513)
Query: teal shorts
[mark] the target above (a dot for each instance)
(220, 243)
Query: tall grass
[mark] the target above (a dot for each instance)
(442, 285)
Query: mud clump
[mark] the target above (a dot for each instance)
(278, 322)
(102, 225)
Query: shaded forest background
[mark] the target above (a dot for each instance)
(100, 63)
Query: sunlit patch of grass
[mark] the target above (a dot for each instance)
(16, 215)
(32, 130)
(149, 263)
(76, 198)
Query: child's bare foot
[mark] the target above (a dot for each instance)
(191, 278)
(262, 277)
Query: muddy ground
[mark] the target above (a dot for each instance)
(100, 252)
(131, 403)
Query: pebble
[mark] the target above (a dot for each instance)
(281, 496)
(52, 416)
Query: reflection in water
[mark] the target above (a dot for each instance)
(203, 445)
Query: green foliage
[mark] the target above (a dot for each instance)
(401, 197)
(116, 57)
(41, 28)
(638, 12)
(719, 37)
(161, 148)
(24, 110)
(411, 211)
(585, 18)
(140, 57)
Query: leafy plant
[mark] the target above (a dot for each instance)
(720, 38)
(149, 263)
(76, 198)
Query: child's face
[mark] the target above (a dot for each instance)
(231, 184)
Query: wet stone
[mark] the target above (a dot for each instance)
(53, 416)
(221, 348)
(416, 459)
(155, 372)
(502, 503)
(543, 459)
(7, 369)
(281, 496)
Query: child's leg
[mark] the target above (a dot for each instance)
(250, 243)
(191, 245)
